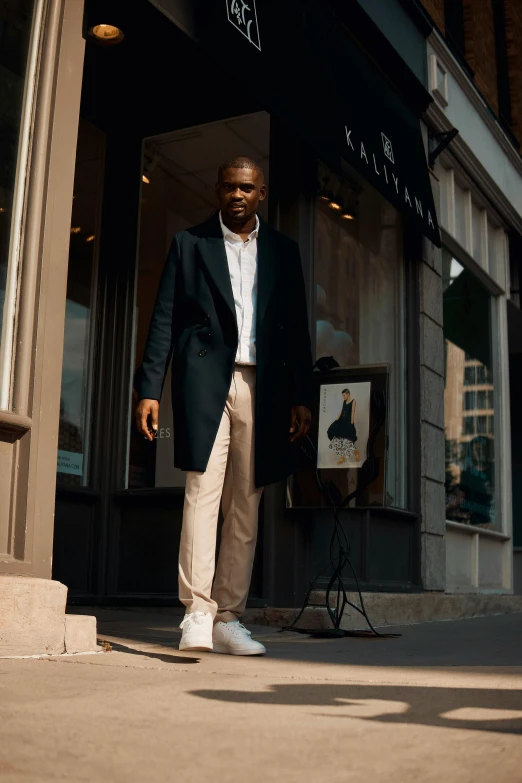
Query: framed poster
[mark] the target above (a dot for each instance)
(348, 438)
(344, 424)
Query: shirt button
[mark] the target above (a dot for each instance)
(202, 353)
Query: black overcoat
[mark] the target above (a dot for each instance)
(194, 324)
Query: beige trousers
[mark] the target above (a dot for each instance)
(229, 480)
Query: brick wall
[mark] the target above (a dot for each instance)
(513, 12)
(435, 8)
(480, 49)
(479, 31)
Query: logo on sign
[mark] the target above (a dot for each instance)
(242, 14)
(387, 147)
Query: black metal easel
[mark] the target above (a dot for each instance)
(331, 493)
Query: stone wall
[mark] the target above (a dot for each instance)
(433, 547)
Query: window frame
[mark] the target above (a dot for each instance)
(500, 381)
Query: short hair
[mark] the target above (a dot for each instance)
(240, 162)
(345, 391)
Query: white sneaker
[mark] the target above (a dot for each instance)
(197, 631)
(233, 638)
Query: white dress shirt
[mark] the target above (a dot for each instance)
(242, 265)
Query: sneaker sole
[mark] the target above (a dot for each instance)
(227, 651)
(196, 648)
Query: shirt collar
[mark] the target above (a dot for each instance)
(228, 234)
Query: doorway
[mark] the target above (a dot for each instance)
(145, 169)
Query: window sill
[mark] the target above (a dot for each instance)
(472, 530)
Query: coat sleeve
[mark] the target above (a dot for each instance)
(150, 376)
(302, 386)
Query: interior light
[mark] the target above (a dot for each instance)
(324, 198)
(146, 180)
(348, 216)
(2, 209)
(106, 33)
(76, 229)
(335, 206)
(91, 238)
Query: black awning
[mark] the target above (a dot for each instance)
(300, 59)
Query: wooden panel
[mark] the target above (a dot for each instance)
(390, 551)
(7, 452)
(147, 548)
(75, 544)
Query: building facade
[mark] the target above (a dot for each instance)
(474, 72)
(123, 116)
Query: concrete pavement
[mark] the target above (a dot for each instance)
(442, 702)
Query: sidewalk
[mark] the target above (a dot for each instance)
(441, 703)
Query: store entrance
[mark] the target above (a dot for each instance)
(146, 164)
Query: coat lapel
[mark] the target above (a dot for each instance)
(267, 270)
(211, 249)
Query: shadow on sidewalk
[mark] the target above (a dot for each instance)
(452, 708)
(157, 656)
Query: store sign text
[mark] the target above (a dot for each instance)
(243, 16)
(391, 179)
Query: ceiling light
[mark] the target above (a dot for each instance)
(2, 209)
(348, 216)
(91, 238)
(76, 229)
(106, 34)
(335, 206)
(146, 180)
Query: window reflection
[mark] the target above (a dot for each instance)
(469, 398)
(15, 29)
(73, 440)
(359, 308)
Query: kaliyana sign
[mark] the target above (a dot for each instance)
(398, 188)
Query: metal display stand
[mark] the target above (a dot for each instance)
(339, 540)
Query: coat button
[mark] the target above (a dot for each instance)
(280, 327)
(206, 321)
(283, 364)
(202, 353)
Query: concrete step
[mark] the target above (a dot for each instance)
(388, 609)
(33, 620)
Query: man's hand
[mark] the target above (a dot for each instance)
(300, 422)
(146, 407)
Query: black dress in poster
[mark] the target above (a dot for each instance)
(344, 421)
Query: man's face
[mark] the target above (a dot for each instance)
(239, 192)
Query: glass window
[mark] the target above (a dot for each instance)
(469, 401)
(481, 374)
(469, 425)
(359, 301)
(75, 408)
(180, 169)
(470, 375)
(15, 31)
(482, 425)
(470, 442)
(482, 400)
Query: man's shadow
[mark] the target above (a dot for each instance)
(449, 707)
(157, 656)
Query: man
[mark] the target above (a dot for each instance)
(231, 312)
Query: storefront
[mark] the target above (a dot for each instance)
(343, 151)
(480, 210)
